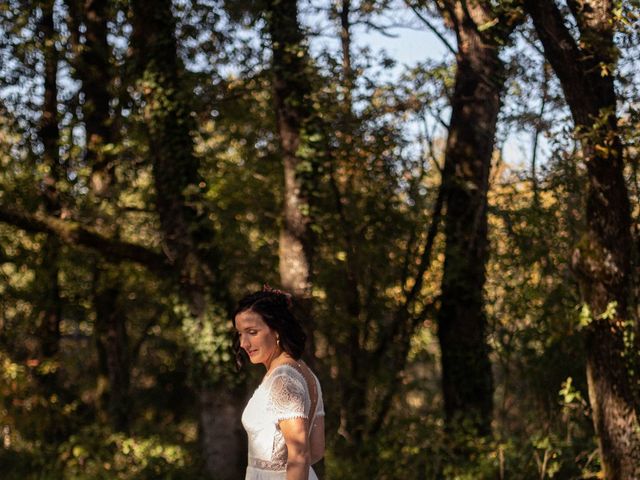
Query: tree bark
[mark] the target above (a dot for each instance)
(466, 369)
(347, 69)
(602, 260)
(175, 168)
(353, 377)
(47, 275)
(291, 90)
(92, 64)
(93, 67)
(188, 235)
(113, 350)
(226, 438)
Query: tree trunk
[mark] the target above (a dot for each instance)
(347, 69)
(188, 234)
(113, 350)
(46, 279)
(226, 454)
(466, 369)
(92, 64)
(353, 377)
(291, 90)
(47, 275)
(602, 260)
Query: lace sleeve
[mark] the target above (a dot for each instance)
(288, 397)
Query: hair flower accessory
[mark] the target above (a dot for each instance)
(287, 296)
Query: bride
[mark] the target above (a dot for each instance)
(284, 418)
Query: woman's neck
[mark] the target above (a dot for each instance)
(273, 360)
(279, 359)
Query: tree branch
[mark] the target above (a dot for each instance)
(382, 29)
(425, 258)
(560, 47)
(431, 27)
(402, 316)
(79, 236)
(401, 359)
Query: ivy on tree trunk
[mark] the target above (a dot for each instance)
(602, 259)
(92, 65)
(188, 234)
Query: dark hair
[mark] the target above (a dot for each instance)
(274, 306)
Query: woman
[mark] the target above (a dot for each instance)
(284, 418)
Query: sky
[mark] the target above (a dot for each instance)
(413, 46)
(412, 43)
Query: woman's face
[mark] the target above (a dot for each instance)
(256, 338)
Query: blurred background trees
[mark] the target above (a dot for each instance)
(472, 304)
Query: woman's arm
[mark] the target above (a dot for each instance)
(295, 435)
(317, 440)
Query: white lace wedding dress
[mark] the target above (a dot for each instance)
(283, 394)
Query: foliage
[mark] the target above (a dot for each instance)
(95, 452)
(375, 146)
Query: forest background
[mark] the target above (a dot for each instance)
(472, 314)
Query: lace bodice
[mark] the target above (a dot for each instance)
(282, 395)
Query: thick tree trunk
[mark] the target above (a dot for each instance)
(113, 351)
(93, 70)
(466, 369)
(47, 275)
(47, 282)
(291, 90)
(92, 64)
(602, 259)
(226, 456)
(46, 279)
(188, 234)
